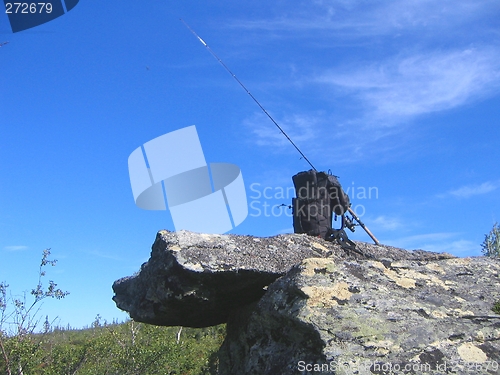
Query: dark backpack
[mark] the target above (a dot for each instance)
(319, 195)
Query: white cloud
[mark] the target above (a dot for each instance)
(412, 242)
(438, 242)
(421, 83)
(391, 93)
(471, 190)
(386, 223)
(459, 248)
(15, 248)
(300, 128)
(368, 19)
(385, 63)
(406, 85)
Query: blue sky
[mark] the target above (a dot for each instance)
(398, 98)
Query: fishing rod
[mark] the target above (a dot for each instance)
(248, 92)
(355, 217)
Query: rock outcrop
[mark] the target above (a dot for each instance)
(300, 305)
(196, 280)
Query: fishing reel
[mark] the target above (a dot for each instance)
(347, 222)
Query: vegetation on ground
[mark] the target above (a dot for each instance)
(496, 308)
(491, 248)
(491, 244)
(19, 320)
(129, 348)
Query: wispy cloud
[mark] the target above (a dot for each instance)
(439, 242)
(411, 242)
(471, 190)
(15, 248)
(386, 223)
(459, 248)
(398, 60)
(299, 127)
(421, 83)
(389, 95)
(361, 19)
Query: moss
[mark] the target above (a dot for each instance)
(496, 307)
(367, 328)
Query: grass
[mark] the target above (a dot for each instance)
(496, 308)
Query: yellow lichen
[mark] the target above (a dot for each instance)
(471, 353)
(312, 264)
(327, 296)
(406, 278)
(401, 281)
(435, 267)
(458, 261)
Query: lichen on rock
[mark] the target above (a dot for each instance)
(295, 304)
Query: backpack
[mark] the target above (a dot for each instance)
(319, 195)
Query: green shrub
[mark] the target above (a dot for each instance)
(20, 347)
(496, 308)
(491, 244)
(128, 348)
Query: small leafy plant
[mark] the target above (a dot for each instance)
(19, 319)
(496, 308)
(491, 244)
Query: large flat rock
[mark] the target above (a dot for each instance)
(371, 317)
(296, 304)
(196, 280)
